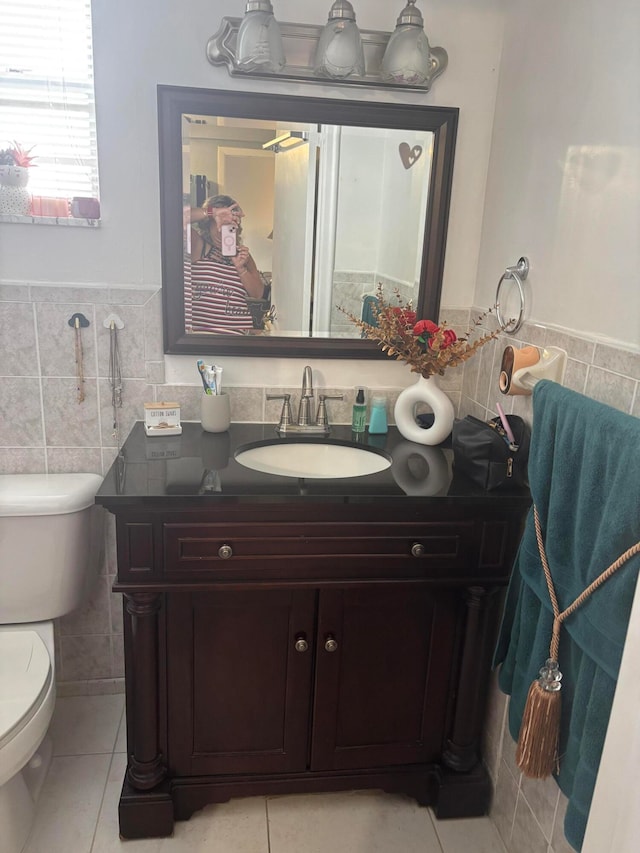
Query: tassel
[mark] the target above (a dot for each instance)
(537, 752)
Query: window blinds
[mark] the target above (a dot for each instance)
(46, 93)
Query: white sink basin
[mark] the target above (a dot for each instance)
(312, 459)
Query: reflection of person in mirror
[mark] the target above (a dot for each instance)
(221, 273)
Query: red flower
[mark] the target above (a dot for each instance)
(405, 315)
(423, 326)
(449, 337)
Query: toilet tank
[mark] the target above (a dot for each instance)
(50, 544)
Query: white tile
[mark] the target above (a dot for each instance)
(477, 834)
(121, 740)
(354, 822)
(238, 826)
(69, 804)
(542, 797)
(86, 725)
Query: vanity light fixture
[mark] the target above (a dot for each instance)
(287, 141)
(260, 45)
(340, 53)
(408, 58)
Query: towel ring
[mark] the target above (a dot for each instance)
(518, 273)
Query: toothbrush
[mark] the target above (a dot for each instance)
(201, 370)
(505, 424)
(210, 376)
(218, 372)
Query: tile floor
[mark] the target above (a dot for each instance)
(78, 808)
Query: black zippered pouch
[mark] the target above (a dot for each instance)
(483, 452)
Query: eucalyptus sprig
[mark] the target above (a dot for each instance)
(427, 348)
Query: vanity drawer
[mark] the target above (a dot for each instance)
(320, 550)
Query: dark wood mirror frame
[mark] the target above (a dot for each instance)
(174, 101)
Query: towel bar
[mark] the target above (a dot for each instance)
(517, 273)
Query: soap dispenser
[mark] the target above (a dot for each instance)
(359, 417)
(378, 419)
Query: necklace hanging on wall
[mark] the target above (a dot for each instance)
(78, 322)
(114, 323)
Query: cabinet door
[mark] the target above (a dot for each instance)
(239, 690)
(383, 670)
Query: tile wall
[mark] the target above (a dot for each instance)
(43, 427)
(529, 814)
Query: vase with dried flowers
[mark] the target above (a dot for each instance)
(428, 349)
(15, 163)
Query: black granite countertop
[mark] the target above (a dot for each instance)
(200, 468)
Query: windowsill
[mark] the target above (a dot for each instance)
(66, 221)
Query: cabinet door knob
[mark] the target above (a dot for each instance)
(330, 644)
(301, 643)
(417, 549)
(225, 551)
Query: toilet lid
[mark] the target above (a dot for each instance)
(25, 676)
(46, 494)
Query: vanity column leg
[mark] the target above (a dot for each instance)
(461, 753)
(146, 764)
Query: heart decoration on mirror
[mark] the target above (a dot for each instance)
(409, 155)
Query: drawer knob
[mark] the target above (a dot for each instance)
(330, 644)
(301, 643)
(417, 549)
(225, 551)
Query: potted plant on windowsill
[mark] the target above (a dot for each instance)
(15, 163)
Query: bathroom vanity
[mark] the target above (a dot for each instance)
(296, 635)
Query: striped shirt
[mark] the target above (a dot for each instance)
(215, 300)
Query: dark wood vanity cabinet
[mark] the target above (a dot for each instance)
(299, 647)
(289, 680)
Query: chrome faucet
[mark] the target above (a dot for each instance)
(305, 424)
(304, 418)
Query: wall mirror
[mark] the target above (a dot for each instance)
(315, 200)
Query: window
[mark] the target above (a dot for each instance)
(46, 93)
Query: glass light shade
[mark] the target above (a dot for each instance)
(339, 53)
(407, 58)
(259, 46)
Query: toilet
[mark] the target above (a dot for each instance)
(50, 549)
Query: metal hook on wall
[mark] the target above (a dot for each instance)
(517, 273)
(78, 321)
(111, 321)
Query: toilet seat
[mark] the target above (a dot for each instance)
(25, 680)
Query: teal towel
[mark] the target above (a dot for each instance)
(369, 307)
(584, 474)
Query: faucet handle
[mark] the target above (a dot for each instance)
(286, 418)
(321, 417)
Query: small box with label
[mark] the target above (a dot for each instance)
(162, 419)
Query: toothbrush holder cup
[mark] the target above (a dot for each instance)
(215, 412)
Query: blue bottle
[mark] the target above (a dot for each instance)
(378, 419)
